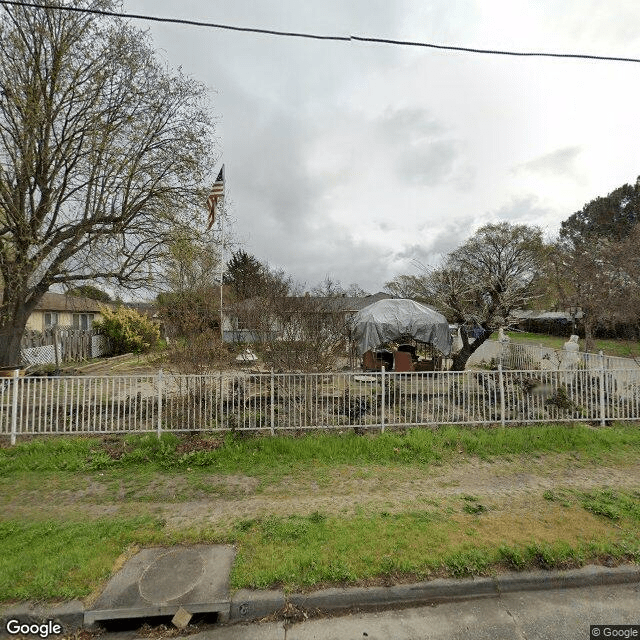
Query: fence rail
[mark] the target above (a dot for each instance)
(275, 402)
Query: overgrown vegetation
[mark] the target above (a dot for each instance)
(257, 454)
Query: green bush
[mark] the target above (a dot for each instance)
(128, 330)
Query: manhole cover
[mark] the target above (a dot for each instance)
(171, 576)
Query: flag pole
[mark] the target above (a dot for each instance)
(221, 272)
(217, 195)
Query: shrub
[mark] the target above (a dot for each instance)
(129, 330)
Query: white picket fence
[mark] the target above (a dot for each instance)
(283, 402)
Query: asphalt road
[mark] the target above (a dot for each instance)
(564, 614)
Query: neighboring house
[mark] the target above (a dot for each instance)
(58, 309)
(247, 321)
(560, 323)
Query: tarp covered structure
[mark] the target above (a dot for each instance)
(387, 320)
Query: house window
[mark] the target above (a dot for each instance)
(82, 321)
(50, 319)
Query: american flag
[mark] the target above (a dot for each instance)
(217, 192)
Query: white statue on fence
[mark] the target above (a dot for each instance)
(571, 355)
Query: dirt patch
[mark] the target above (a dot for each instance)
(196, 498)
(116, 447)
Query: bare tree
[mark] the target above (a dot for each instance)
(296, 331)
(101, 148)
(189, 300)
(408, 286)
(482, 281)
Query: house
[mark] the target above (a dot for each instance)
(58, 309)
(558, 323)
(256, 319)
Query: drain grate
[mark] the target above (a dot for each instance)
(155, 583)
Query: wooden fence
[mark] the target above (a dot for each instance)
(39, 347)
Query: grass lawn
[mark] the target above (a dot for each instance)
(323, 509)
(620, 348)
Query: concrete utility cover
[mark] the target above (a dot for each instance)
(157, 582)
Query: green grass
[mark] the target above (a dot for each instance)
(278, 456)
(49, 560)
(61, 560)
(620, 348)
(457, 535)
(299, 552)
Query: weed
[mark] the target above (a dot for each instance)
(470, 562)
(612, 505)
(514, 557)
(475, 508)
(244, 525)
(279, 454)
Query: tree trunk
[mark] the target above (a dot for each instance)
(11, 337)
(10, 340)
(589, 341)
(468, 349)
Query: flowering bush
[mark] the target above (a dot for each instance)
(128, 330)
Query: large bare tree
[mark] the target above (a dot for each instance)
(101, 148)
(482, 281)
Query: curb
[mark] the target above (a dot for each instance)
(248, 606)
(70, 615)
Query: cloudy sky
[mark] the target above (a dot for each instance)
(354, 160)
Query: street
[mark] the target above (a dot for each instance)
(540, 615)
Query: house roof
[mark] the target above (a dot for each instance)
(321, 304)
(536, 314)
(60, 302)
(149, 309)
(348, 303)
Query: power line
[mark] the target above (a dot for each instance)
(316, 36)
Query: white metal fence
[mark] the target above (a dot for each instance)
(275, 402)
(513, 355)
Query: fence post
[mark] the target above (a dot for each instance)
(501, 383)
(603, 409)
(221, 407)
(14, 408)
(273, 409)
(382, 416)
(159, 403)
(541, 356)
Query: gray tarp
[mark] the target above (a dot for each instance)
(390, 319)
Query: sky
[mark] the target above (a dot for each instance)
(357, 162)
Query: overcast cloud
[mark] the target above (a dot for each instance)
(355, 160)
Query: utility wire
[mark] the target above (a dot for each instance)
(315, 36)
